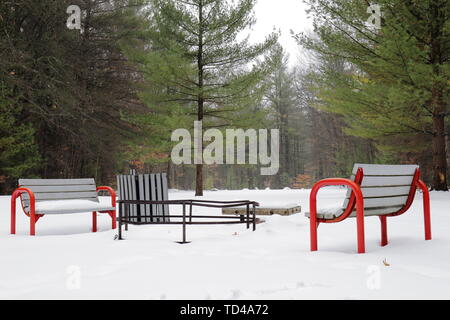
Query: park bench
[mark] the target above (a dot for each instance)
(41, 197)
(374, 190)
(143, 200)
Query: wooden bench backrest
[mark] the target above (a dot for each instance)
(58, 189)
(385, 188)
(145, 187)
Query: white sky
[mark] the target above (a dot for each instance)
(282, 15)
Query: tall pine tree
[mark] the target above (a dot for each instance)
(198, 69)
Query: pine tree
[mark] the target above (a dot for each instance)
(19, 155)
(395, 83)
(72, 86)
(281, 100)
(196, 67)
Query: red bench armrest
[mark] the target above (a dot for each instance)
(111, 192)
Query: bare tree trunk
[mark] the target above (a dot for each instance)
(439, 146)
(201, 102)
(438, 104)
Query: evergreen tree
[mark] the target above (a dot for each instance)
(18, 152)
(395, 83)
(288, 117)
(72, 86)
(198, 69)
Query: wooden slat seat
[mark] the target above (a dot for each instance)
(328, 213)
(382, 190)
(41, 197)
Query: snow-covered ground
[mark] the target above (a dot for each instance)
(66, 261)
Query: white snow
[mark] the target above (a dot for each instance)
(55, 206)
(66, 261)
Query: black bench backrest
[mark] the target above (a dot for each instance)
(145, 187)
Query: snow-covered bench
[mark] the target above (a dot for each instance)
(374, 190)
(41, 197)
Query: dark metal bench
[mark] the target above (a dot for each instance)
(143, 200)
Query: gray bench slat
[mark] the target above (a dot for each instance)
(383, 202)
(385, 191)
(65, 195)
(387, 181)
(66, 211)
(381, 169)
(55, 182)
(62, 189)
(378, 211)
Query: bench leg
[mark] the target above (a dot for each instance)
(426, 209)
(248, 217)
(13, 215)
(254, 218)
(427, 217)
(384, 234)
(360, 228)
(94, 221)
(120, 230)
(32, 224)
(313, 226)
(112, 214)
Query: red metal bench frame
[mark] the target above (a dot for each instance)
(34, 217)
(357, 200)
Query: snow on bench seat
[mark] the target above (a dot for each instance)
(71, 206)
(328, 213)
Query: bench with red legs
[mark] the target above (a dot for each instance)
(40, 197)
(374, 190)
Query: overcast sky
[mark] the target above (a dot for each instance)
(283, 15)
